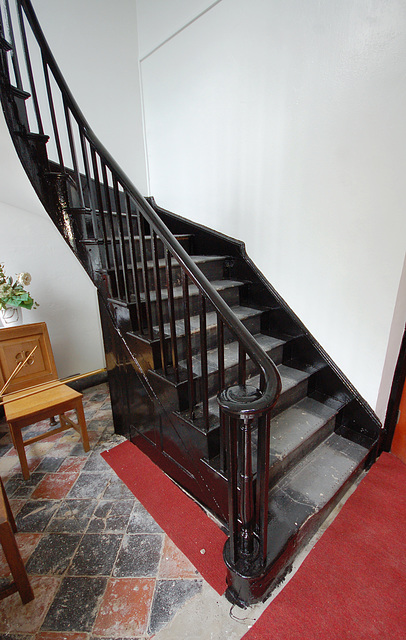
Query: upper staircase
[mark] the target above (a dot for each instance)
(210, 372)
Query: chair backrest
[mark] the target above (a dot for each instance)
(16, 343)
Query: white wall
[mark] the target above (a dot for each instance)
(282, 123)
(30, 242)
(95, 45)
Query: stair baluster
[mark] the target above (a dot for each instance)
(27, 60)
(158, 294)
(134, 266)
(121, 242)
(171, 314)
(13, 52)
(53, 115)
(89, 182)
(99, 210)
(188, 338)
(203, 360)
(145, 279)
(115, 282)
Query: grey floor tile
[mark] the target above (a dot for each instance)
(141, 521)
(95, 555)
(139, 556)
(90, 485)
(96, 463)
(117, 490)
(76, 604)
(17, 487)
(111, 516)
(49, 464)
(35, 515)
(170, 596)
(73, 516)
(53, 553)
(5, 448)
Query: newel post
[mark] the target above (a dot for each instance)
(245, 551)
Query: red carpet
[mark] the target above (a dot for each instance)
(352, 586)
(182, 519)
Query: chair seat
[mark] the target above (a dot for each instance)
(45, 401)
(35, 404)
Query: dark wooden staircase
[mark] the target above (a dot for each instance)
(210, 372)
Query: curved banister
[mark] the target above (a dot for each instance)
(115, 198)
(268, 369)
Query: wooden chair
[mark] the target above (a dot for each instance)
(7, 529)
(35, 393)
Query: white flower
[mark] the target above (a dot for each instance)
(24, 279)
(5, 290)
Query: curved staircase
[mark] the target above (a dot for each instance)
(210, 372)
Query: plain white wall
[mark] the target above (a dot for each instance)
(95, 45)
(282, 123)
(29, 241)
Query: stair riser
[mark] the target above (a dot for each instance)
(256, 588)
(290, 397)
(281, 467)
(126, 248)
(229, 294)
(252, 323)
(213, 270)
(231, 374)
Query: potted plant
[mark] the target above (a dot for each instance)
(14, 297)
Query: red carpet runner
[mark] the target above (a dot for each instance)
(352, 586)
(182, 519)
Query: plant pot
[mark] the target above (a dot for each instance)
(11, 316)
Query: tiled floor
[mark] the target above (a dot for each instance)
(99, 565)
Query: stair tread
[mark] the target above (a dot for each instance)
(241, 312)
(302, 492)
(219, 285)
(162, 262)
(231, 354)
(178, 236)
(297, 423)
(289, 378)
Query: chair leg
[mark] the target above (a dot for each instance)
(12, 437)
(9, 513)
(15, 563)
(82, 424)
(19, 445)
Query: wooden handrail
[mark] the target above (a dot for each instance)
(267, 367)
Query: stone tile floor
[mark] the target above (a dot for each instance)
(99, 565)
